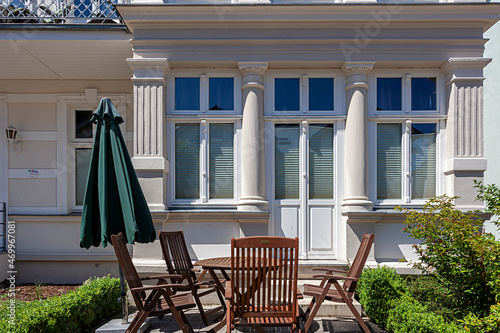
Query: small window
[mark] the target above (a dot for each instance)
(82, 163)
(83, 126)
(320, 94)
(187, 93)
(389, 93)
(423, 93)
(221, 93)
(286, 94)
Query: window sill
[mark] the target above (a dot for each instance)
(216, 215)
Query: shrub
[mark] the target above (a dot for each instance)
(379, 289)
(489, 324)
(410, 316)
(454, 249)
(75, 311)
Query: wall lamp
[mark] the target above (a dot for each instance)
(11, 133)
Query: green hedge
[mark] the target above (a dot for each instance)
(76, 311)
(488, 324)
(379, 290)
(410, 316)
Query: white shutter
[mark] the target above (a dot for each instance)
(321, 161)
(221, 161)
(286, 174)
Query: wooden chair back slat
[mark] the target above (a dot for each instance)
(359, 261)
(264, 273)
(125, 262)
(176, 253)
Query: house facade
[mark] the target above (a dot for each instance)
(251, 118)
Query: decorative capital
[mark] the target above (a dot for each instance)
(252, 74)
(149, 69)
(356, 73)
(467, 69)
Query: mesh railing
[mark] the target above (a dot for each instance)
(59, 11)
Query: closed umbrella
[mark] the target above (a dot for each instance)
(113, 200)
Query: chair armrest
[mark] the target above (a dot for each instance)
(160, 277)
(334, 277)
(229, 292)
(341, 271)
(183, 269)
(158, 286)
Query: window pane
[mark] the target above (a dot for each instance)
(83, 126)
(221, 157)
(286, 150)
(187, 161)
(187, 93)
(321, 161)
(320, 94)
(82, 162)
(423, 161)
(423, 93)
(389, 93)
(389, 161)
(286, 94)
(221, 93)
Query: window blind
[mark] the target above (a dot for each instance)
(187, 161)
(389, 161)
(221, 161)
(82, 170)
(286, 174)
(321, 161)
(423, 161)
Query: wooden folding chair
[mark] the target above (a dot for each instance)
(341, 294)
(263, 288)
(173, 245)
(160, 301)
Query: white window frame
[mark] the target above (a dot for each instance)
(405, 199)
(204, 77)
(68, 143)
(303, 76)
(406, 77)
(203, 199)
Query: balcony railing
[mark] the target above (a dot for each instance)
(59, 12)
(3, 226)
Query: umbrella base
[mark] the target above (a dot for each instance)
(116, 326)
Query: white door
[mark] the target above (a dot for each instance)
(303, 186)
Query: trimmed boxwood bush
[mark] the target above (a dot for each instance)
(410, 316)
(76, 311)
(379, 290)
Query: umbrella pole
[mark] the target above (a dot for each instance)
(123, 298)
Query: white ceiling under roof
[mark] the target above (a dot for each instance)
(65, 54)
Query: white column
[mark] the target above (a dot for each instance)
(150, 152)
(464, 130)
(253, 194)
(356, 144)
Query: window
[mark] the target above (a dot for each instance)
(305, 94)
(204, 161)
(409, 94)
(287, 161)
(204, 94)
(83, 137)
(406, 161)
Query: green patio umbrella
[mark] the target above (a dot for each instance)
(113, 200)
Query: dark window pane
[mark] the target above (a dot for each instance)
(82, 164)
(221, 93)
(423, 93)
(83, 126)
(389, 93)
(187, 93)
(286, 95)
(321, 94)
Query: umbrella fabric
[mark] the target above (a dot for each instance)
(113, 200)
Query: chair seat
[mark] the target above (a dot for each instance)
(181, 302)
(316, 291)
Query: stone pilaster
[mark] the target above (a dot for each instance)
(464, 152)
(356, 144)
(150, 149)
(253, 194)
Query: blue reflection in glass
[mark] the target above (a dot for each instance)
(286, 95)
(389, 94)
(221, 93)
(321, 94)
(423, 93)
(187, 93)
